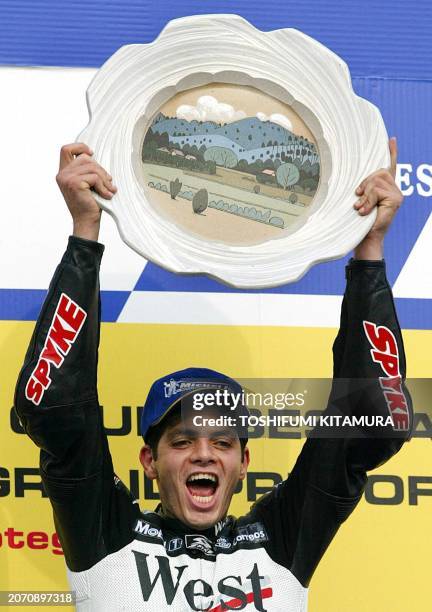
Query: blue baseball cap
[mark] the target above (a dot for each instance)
(168, 390)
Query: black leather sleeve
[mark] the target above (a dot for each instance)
(303, 513)
(57, 403)
(56, 394)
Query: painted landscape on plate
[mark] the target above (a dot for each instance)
(230, 163)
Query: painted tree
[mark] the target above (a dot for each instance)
(175, 187)
(315, 169)
(243, 165)
(307, 167)
(287, 175)
(200, 201)
(222, 156)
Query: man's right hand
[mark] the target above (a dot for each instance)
(78, 175)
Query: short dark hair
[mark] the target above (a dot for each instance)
(172, 419)
(155, 432)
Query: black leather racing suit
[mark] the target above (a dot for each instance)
(120, 558)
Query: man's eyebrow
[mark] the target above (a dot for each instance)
(182, 431)
(194, 432)
(230, 433)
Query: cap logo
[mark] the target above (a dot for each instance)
(173, 387)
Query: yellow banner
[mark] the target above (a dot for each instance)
(380, 559)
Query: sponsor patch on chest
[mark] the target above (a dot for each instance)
(183, 581)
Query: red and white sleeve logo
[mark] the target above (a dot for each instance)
(64, 329)
(385, 352)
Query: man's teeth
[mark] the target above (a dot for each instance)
(203, 500)
(202, 476)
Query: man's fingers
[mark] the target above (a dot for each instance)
(367, 202)
(369, 198)
(382, 173)
(84, 165)
(360, 188)
(360, 203)
(393, 156)
(365, 205)
(365, 182)
(69, 151)
(94, 181)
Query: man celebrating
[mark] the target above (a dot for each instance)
(190, 554)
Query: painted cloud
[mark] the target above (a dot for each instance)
(276, 118)
(209, 108)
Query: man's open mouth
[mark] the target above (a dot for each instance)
(202, 486)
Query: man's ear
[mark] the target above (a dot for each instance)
(147, 461)
(245, 463)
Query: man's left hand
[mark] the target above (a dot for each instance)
(380, 190)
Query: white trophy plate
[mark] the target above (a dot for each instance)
(236, 152)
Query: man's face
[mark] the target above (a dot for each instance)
(197, 471)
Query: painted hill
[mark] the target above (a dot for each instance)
(247, 134)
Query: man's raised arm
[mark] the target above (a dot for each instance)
(369, 345)
(330, 474)
(56, 395)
